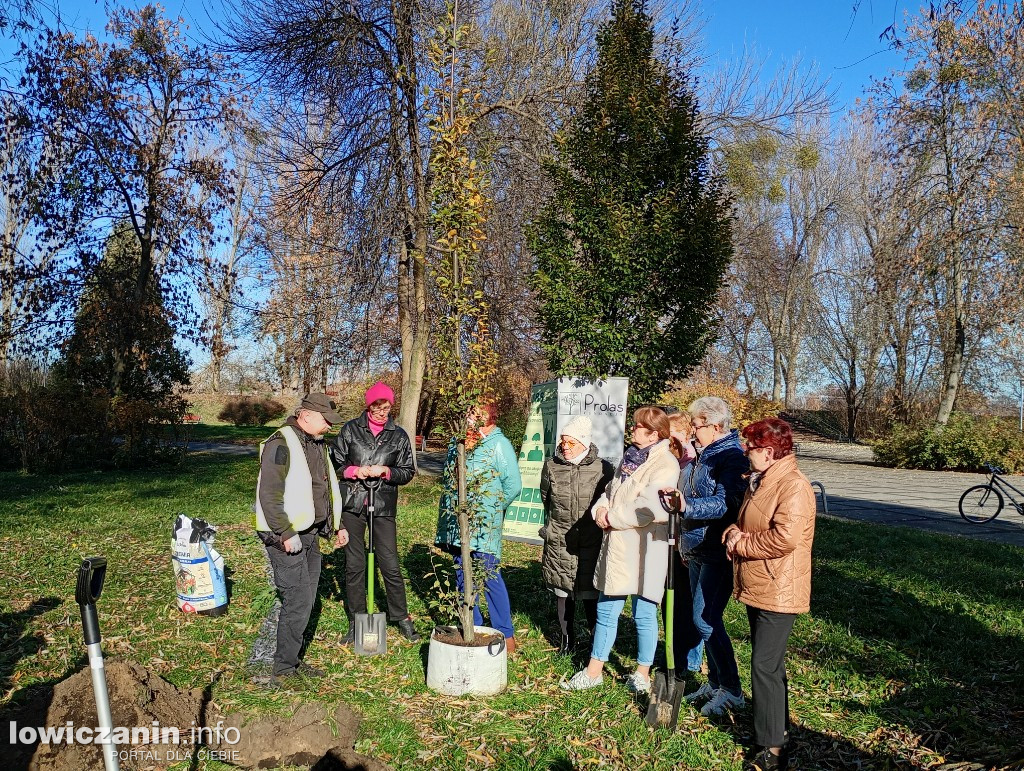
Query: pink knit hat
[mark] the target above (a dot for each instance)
(377, 391)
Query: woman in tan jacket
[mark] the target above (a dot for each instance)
(634, 551)
(770, 546)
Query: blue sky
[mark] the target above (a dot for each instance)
(846, 47)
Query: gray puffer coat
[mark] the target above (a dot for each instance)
(572, 540)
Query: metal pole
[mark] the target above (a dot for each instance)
(90, 585)
(1021, 384)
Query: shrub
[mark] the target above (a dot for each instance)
(745, 409)
(965, 443)
(53, 425)
(247, 411)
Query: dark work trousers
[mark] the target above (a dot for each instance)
(769, 633)
(385, 548)
(296, 577)
(566, 612)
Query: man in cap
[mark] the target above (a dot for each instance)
(298, 499)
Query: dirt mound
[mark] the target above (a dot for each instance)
(162, 724)
(304, 739)
(138, 699)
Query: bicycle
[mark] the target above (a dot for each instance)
(982, 503)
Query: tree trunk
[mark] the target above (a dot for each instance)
(851, 400)
(951, 382)
(215, 368)
(413, 324)
(776, 373)
(469, 593)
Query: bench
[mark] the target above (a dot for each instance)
(190, 417)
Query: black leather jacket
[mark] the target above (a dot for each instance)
(355, 445)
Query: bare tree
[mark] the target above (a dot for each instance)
(848, 320)
(222, 269)
(788, 198)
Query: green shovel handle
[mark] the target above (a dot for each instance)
(369, 582)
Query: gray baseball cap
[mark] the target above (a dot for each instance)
(322, 404)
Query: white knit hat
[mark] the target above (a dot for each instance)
(579, 429)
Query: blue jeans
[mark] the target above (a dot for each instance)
(500, 610)
(695, 657)
(699, 618)
(645, 614)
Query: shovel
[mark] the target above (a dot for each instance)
(663, 707)
(91, 574)
(371, 628)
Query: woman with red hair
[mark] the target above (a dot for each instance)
(770, 546)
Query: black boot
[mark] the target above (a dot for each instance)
(408, 630)
(765, 760)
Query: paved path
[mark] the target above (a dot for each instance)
(224, 448)
(928, 500)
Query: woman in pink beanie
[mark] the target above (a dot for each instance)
(372, 446)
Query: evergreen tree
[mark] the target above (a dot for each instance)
(154, 366)
(632, 247)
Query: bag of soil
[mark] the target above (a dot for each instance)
(198, 568)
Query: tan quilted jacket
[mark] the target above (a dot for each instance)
(773, 566)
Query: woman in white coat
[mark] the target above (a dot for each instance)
(634, 551)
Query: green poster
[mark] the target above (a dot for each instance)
(526, 514)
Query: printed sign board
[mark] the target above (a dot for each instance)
(552, 405)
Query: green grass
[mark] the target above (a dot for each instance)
(912, 655)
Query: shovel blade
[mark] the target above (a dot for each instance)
(663, 707)
(371, 634)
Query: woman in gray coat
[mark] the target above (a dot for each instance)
(570, 484)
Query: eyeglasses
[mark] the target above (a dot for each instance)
(702, 425)
(382, 409)
(750, 446)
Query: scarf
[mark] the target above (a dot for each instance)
(632, 458)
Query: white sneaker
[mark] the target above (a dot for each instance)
(637, 683)
(581, 681)
(701, 694)
(720, 702)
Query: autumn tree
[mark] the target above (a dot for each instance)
(632, 247)
(466, 360)
(938, 122)
(788, 193)
(141, 115)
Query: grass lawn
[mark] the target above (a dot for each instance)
(913, 655)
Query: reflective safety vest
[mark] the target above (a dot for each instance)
(298, 486)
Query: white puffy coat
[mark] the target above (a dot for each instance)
(634, 551)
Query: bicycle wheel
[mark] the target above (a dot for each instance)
(981, 503)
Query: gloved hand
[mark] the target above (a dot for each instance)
(293, 545)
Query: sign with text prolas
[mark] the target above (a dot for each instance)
(552, 405)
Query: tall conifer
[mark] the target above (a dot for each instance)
(632, 248)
